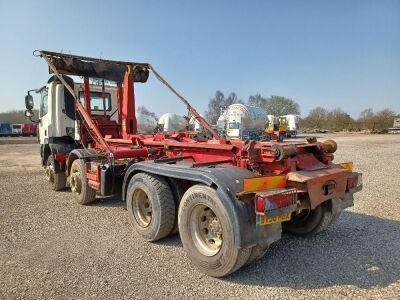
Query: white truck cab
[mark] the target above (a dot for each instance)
(16, 129)
(57, 117)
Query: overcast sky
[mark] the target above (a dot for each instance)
(319, 53)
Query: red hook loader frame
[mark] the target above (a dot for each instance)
(229, 200)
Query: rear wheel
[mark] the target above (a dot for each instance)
(150, 205)
(179, 187)
(310, 222)
(206, 230)
(58, 181)
(257, 252)
(83, 193)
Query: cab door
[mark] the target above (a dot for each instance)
(45, 116)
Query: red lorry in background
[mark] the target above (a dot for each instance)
(29, 129)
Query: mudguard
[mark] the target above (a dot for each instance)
(80, 154)
(227, 181)
(56, 147)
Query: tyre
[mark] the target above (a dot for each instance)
(310, 222)
(257, 252)
(58, 181)
(83, 193)
(151, 206)
(179, 187)
(206, 231)
(336, 216)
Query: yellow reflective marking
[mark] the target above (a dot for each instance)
(264, 183)
(348, 166)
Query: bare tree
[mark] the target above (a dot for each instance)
(367, 114)
(143, 110)
(256, 100)
(16, 117)
(380, 120)
(275, 105)
(279, 106)
(232, 99)
(338, 119)
(219, 102)
(384, 118)
(318, 118)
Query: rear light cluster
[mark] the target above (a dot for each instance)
(354, 180)
(274, 200)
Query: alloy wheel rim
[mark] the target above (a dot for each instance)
(142, 208)
(206, 230)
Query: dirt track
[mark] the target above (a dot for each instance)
(51, 247)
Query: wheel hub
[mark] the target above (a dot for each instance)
(206, 230)
(142, 208)
(75, 182)
(48, 172)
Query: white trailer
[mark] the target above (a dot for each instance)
(240, 120)
(171, 122)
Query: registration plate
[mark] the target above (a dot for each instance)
(262, 220)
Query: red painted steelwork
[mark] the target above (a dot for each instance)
(60, 158)
(128, 115)
(87, 95)
(120, 95)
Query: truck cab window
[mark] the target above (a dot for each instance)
(96, 100)
(44, 102)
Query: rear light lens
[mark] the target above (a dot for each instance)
(260, 205)
(354, 180)
(275, 199)
(359, 180)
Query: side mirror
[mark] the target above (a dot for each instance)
(29, 113)
(28, 102)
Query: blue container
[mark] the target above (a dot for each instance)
(5, 129)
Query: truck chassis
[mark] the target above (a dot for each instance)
(229, 200)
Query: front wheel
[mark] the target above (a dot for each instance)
(206, 231)
(310, 222)
(58, 181)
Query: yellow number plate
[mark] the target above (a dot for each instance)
(264, 220)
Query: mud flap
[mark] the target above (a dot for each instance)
(338, 204)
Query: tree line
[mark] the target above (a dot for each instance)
(318, 118)
(338, 120)
(16, 117)
(274, 105)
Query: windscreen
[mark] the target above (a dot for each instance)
(96, 100)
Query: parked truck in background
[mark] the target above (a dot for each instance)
(276, 128)
(171, 122)
(29, 129)
(5, 129)
(396, 126)
(292, 122)
(16, 129)
(229, 199)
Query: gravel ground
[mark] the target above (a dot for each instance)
(51, 247)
